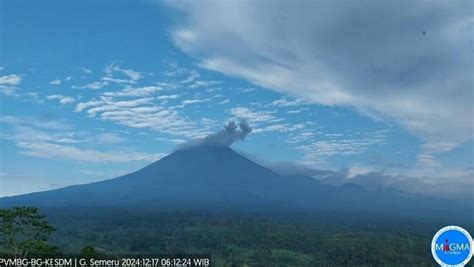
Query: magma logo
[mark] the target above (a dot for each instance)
(452, 246)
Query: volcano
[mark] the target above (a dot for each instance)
(218, 178)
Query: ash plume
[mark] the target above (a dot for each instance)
(231, 133)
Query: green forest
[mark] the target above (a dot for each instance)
(230, 239)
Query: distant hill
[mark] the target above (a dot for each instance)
(217, 178)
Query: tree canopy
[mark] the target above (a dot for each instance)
(25, 232)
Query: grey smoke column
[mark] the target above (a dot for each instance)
(230, 134)
(225, 137)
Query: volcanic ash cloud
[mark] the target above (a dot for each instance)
(231, 133)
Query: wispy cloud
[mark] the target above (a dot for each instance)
(56, 151)
(59, 81)
(47, 141)
(225, 101)
(126, 76)
(109, 138)
(93, 85)
(319, 151)
(131, 75)
(55, 82)
(186, 102)
(9, 83)
(282, 128)
(423, 83)
(85, 70)
(110, 104)
(148, 106)
(62, 99)
(428, 150)
(250, 115)
(136, 91)
(36, 122)
(167, 97)
(141, 113)
(200, 84)
(284, 102)
(192, 76)
(11, 79)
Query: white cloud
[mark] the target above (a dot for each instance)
(329, 148)
(437, 147)
(9, 83)
(429, 149)
(167, 97)
(251, 116)
(109, 104)
(94, 85)
(317, 151)
(225, 101)
(284, 102)
(282, 128)
(143, 113)
(246, 90)
(62, 99)
(109, 138)
(178, 141)
(55, 82)
(56, 151)
(33, 96)
(302, 136)
(199, 84)
(358, 170)
(426, 161)
(37, 139)
(136, 91)
(193, 75)
(11, 79)
(192, 101)
(27, 133)
(58, 81)
(373, 59)
(115, 80)
(128, 76)
(36, 122)
(8, 90)
(85, 70)
(83, 105)
(131, 75)
(295, 111)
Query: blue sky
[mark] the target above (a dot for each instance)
(90, 90)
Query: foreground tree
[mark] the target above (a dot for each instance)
(25, 232)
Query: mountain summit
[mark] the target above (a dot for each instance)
(214, 177)
(201, 176)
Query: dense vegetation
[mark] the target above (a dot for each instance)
(24, 232)
(230, 239)
(248, 239)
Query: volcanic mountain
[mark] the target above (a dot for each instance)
(214, 177)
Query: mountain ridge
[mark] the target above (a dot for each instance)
(218, 178)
